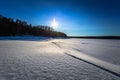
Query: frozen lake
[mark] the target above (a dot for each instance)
(104, 49)
(50, 60)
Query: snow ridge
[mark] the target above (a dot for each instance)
(109, 67)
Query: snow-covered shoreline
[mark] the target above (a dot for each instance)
(26, 38)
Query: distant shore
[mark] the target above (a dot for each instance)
(96, 37)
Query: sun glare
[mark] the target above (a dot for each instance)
(54, 24)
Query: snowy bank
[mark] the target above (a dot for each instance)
(25, 38)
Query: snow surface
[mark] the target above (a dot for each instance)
(49, 60)
(103, 49)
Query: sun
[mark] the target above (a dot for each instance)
(54, 23)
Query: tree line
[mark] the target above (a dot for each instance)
(9, 27)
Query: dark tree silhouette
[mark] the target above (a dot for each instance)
(9, 27)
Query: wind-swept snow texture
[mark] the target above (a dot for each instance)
(92, 47)
(47, 60)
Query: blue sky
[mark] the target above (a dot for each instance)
(75, 17)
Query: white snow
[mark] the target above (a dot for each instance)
(103, 49)
(47, 60)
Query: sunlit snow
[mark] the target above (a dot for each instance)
(51, 60)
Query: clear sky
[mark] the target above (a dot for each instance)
(75, 17)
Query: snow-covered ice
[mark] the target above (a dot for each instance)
(47, 60)
(104, 49)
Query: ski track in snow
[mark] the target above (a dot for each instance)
(47, 60)
(76, 53)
